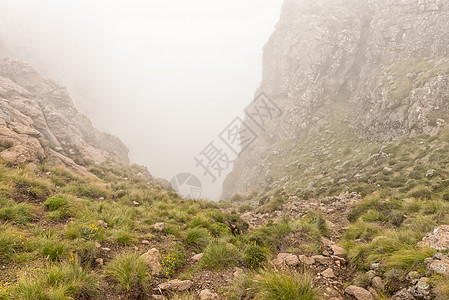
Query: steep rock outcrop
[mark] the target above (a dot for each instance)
(38, 122)
(370, 70)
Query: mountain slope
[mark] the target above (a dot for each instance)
(39, 123)
(351, 77)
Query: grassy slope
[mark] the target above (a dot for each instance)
(52, 224)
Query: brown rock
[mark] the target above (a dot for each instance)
(197, 257)
(338, 251)
(152, 259)
(359, 293)
(328, 273)
(323, 260)
(306, 260)
(208, 295)
(378, 283)
(176, 285)
(287, 259)
(160, 226)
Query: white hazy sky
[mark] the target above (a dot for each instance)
(166, 76)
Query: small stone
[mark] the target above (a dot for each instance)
(160, 226)
(323, 260)
(158, 297)
(101, 198)
(359, 293)
(103, 224)
(208, 295)
(176, 285)
(136, 203)
(338, 251)
(106, 249)
(237, 272)
(326, 253)
(378, 283)
(287, 259)
(371, 274)
(413, 275)
(145, 242)
(99, 261)
(328, 273)
(306, 260)
(197, 257)
(97, 245)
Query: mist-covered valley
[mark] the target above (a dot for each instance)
(206, 150)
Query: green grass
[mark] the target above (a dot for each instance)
(198, 238)
(65, 281)
(129, 271)
(283, 285)
(220, 255)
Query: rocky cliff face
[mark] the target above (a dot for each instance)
(39, 123)
(349, 76)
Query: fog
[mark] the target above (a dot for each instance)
(165, 76)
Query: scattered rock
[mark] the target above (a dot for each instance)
(197, 257)
(136, 203)
(160, 226)
(145, 242)
(338, 251)
(323, 260)
(176, 285)
(328, 273)
(152, 259)
(378, 283)
(102, 224)
(237, 272)
(99, 261)
(306, 260)
(208, 295)
(106, 249)
(371, 274)
(411, 276)
(287, 259)
(97, 245)
(359, 293)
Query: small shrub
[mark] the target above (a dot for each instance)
(55, 203)
(220, 229)
(129, 271)
(281, 285)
